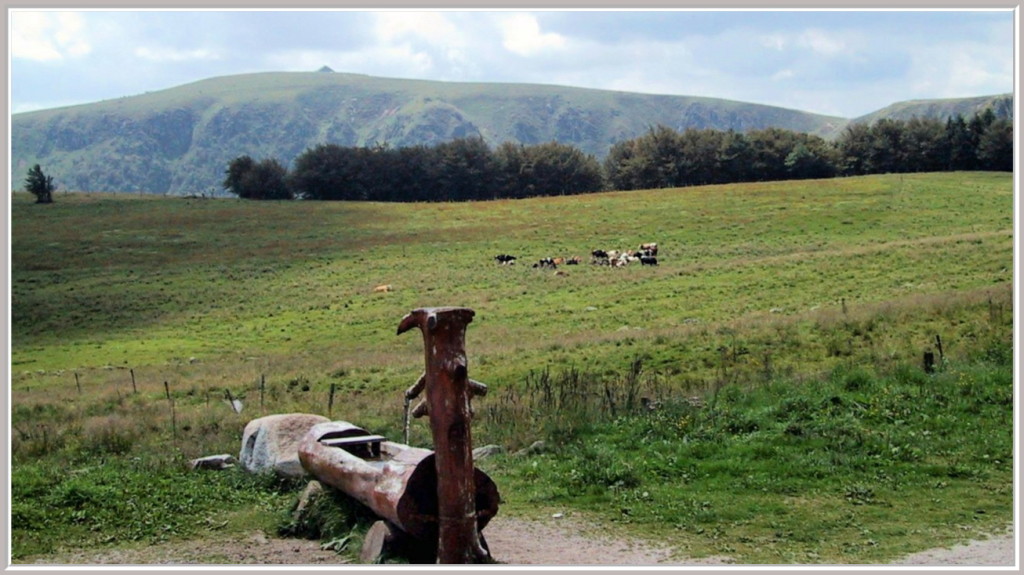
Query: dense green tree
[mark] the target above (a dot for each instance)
(39, 185)
(698, 158)
(810, 159)
(329, 172)
(624, 166)
(662, 150)
(853, 148)
(560, 169)
(886, 154)
(263, 180)
(924, 145)
(515, 171)
(770, 148)
(735, 157)
(995, 147)
(466, 170)
(237, 170)
(415, 174)
(961, 144)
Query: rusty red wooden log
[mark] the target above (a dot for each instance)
(398, 484)
(448, 393)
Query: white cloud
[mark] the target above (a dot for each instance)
(821, 42)
(818, 41)
(399, 61)
(431, 27)
(172, 55)
(47, 36)
(421, 43)
(854, 62)
(960, 70)
(775, 42)
(522, 35)
(783, 75)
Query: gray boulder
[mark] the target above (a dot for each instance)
(534, 448)
(313, 490)
(487, 451)
(271, 443)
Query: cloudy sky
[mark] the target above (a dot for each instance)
(843, 63)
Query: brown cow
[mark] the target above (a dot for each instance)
(651, 249)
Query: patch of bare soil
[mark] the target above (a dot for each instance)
(567, 541)
(514, 541)
(996, 550)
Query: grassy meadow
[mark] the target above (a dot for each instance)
(781, 336)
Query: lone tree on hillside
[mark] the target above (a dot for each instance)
(264, 180)
(39, 185)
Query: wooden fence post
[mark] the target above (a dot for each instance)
(174, 417)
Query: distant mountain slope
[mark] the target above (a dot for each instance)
(180, 140)
(1001, 104)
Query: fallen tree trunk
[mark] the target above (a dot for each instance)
(395, 481)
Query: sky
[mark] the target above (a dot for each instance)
(833, 62)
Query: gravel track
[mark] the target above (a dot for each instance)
(555, 541)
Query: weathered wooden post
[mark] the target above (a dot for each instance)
(929, 362)
(447, 402)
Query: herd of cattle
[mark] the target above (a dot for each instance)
(646, 254)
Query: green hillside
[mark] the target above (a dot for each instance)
(1001, 105)
(180, 140)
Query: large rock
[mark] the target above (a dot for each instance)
(271, 443)
(487, 451)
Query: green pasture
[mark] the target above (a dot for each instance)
(781, 334)
(107, 281)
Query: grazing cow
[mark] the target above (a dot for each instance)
(558, 261)
(546, 263)
(623, 259)
(600, 254)
(648, 261)
(384, 288)
(505, 259)
(574, 260)
(650, 247)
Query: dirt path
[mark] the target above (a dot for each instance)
(997, 550)
(555, 541)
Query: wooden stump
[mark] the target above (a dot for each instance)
(376, 543)
(385, 540)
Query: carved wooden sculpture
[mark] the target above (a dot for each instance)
(448, 391)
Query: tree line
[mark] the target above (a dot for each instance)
(468, 169)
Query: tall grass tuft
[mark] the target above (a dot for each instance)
(557, 406)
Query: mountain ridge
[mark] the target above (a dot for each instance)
(179, 140)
